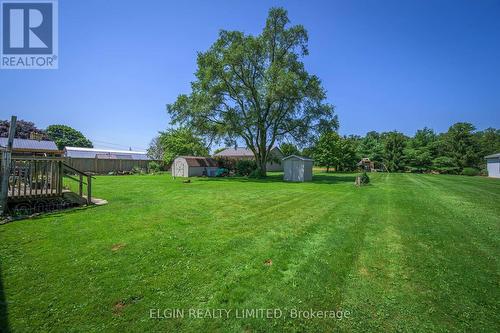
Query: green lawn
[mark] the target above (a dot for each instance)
(407, 253)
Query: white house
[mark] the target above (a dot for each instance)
(493, 165)
(297, 168)
(191, 166)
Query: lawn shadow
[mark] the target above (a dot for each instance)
(4, 320)
(278, 178)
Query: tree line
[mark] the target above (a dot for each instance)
(461, 149)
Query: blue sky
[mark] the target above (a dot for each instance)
(385, 64)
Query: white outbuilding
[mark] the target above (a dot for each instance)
(297, 168)
(192, 166)
(493, 165)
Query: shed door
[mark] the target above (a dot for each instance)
(179, 169)
(295, 170)
(493, 166)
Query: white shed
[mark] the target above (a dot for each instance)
(493, 165)
(297, 168)
(191, 166)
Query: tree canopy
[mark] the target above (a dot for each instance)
(256, 89)
(327, 150)
(155, 149)
(65, 136)
(24, 129)
(181, 141)
(288, 149)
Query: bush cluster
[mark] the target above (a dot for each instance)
(154, 167)
(365, 179)
(245, 167)
(470, 172)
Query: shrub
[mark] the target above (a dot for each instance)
(444, 164)
(154, 167)
(365, 179)
(226, 163)
(362, 179)
(470, 172)
(245, 167)
(255, 173)
(137, 170)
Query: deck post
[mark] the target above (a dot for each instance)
(5, 166)
(89, 189)
(80, 186)
(60, 176)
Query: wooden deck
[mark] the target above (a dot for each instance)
(39, 178)
(34, 178)
(15, 193)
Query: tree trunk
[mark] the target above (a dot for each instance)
(327, 169)
(261, 165)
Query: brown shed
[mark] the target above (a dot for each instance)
(191, 166)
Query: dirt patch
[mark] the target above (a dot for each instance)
(268, 262)
(117, 247)
(363, 271)
(118, 307)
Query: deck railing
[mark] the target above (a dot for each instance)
(81, 179)
(34, 177)
(38, 177)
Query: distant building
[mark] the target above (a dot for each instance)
(106, 160)
(28, 147)
(493, 165)
(239, 153)
(79, 152)
(366, 164)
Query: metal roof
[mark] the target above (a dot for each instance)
(33, 145)
(79, 152)
(240, 152)
(493, 156)
(299, 157)
(196, 161)
(235, 152)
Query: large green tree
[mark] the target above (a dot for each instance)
(347, 159)
(394, 145)
(181, 142)
(488, 141)
(65, 136)
(461, 145)
(256, 89)
(371, 146)
(421, 150)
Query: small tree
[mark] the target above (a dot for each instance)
(155, 149)
(181, 141)
(327, 150)
(65, 136)
(218, 150)
(289, 149)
